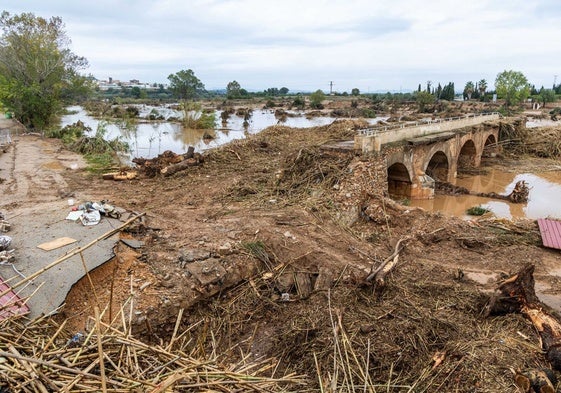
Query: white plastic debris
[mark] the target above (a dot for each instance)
(91, 217)
(5, 242)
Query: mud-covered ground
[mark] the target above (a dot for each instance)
(252, 245)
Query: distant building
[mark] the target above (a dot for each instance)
(111, 83)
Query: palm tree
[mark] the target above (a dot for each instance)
(468, 90)
(482, 87)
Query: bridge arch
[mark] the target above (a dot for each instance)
(438, 166)
(399, 180)
(491, 146)
(467, 158)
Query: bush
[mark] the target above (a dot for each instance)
(299, 102)
(70, 133)
(477, 211)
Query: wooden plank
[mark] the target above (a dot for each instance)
(551, 233)
(57, 243)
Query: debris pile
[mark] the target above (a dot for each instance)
(168, 162)
(90, 213)
(43, 356)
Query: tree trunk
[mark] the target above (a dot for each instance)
(517, 294)
(171, 169)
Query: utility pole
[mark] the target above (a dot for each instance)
(331, 87)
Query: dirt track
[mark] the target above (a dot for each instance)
(214, 227)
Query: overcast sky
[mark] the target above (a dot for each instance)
(304, 44)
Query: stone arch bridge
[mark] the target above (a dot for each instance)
(419, 154)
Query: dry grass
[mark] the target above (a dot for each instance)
(40, 356)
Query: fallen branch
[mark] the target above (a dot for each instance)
(379, 275)
(518, 195)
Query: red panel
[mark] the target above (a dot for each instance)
(10, 303)
(551, 233)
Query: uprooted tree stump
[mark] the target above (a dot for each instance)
(517, 294)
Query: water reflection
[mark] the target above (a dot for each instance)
(544, 197)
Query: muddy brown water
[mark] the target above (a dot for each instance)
(544, 198)
(544, 201)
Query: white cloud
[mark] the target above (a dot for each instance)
(369, 44)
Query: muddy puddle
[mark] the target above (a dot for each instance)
(544, 198)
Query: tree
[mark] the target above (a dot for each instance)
(355, 92)
(468, 90)
(37, 70)
(512, 86)
(283, 90)
(423, 99)
(135, 92)
(184, 85)
(546, 95)
(482, 87)
(448, 92)
(438, 93)
(272, 91)
(233, 90)
(316, 98)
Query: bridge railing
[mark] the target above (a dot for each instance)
(373, 131)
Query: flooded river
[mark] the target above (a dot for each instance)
(148, 139)
(544, 198)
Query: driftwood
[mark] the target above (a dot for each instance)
(518, 195)
(168, 162)
(181, 166)
(378, 275)
(517, 294)
(121, 175)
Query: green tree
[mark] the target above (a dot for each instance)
(316, 98)
(468, 90)
(512, 86)
(184, 85)
(37, 70)
(283, 90)
(423, 99)
(233, 90)
(546, 95)
(482, 86)
(135, 92)
(448, 92)
(355, 92)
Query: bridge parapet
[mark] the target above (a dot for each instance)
(372, 139)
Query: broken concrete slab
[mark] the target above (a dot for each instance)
(32, 226)
(133, 243)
